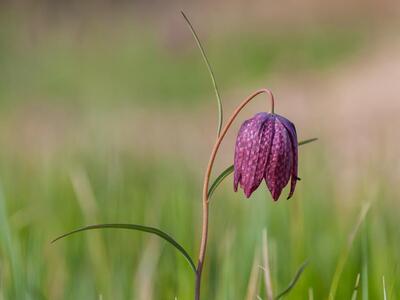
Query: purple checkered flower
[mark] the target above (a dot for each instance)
(266, 148)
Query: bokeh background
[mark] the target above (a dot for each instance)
(107, 114)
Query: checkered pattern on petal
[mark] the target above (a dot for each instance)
(247, 150)
(293, 138)
(280, 160)
(265, 142)
(240, 152)
(266, 147)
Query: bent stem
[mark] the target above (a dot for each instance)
(204, 234)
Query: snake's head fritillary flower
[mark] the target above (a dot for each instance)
(266, 148)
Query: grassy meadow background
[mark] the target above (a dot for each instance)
(107, 115)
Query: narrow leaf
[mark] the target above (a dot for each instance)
(384, 288)
(307, 141)
(252, 286)
(356, 287)
(210, 71)
(219, 179)
(346, 251)
(230, 169)
(267, 268)
(364, 260)
(294, 280)
(310, 294)
(142, 228)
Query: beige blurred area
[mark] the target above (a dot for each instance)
(352, 107)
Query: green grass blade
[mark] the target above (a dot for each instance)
(252, 285)
(310, 293)
(384, 288)
(9, 250)
(356, 287)
(294, 280)
(229, 170)
(142, 228)
(364, 260)
(346, 251)
(210, 71)
(267, 266)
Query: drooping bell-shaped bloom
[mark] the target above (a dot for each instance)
(266, 148)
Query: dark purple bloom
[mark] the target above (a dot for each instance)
(266, 148)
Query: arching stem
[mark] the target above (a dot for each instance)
(204, 234)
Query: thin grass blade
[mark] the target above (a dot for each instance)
(210, 71)
(294, 280)
(252, 286)
(346, 251)
(147, 270)
(142, 228)
(267, 268)
(364, 260)
(356, 287)
(310, 294)
(10, 250)
(86, 199)
(230, 169)
(384, 288)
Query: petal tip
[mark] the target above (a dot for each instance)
(247, 194)
(275, 195)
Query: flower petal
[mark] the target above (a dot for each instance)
(266, 135)
(239, 153)
(280, 161)
(246, 153)
(294, 143)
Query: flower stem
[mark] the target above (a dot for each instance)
(204, 234)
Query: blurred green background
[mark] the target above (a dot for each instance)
(107, 115)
